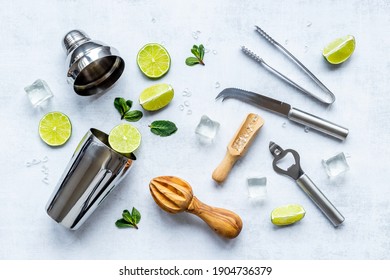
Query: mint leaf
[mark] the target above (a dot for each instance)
(198, 51)
(129, 220)
(122, 223)
(127, 216)
(121, 105)
(129, 103)
(201, 51)
(163, 128)
(136, 215)
(195, 51)
(191, 61)
(133, 116)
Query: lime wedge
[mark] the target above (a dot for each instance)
(124, 138)
(287, 215)
(339, 50)
(153, 60)
(156, 97)
(55, 128)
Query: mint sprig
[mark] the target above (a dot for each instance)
(129, 220)
(123, 106)
(198, 52)
(163, 128)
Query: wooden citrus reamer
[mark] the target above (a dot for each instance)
(175, 195)
(238, 145)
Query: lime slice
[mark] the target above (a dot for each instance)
(156, 97)
(153, 60)
(287, 215)
(55, 128)
(339, 50)
(124, 138)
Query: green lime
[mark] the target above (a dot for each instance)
(124, 138)
(153, 60)
(156, 97)
(339, 50)
(55, 128)
(287, 215)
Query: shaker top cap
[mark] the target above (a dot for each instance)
(93, 66)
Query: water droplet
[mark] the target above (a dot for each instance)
(45, 159)
(195, 35)
(189, 112)
(45, 170)
(181, 107)
(186, 103)
(45, 180)
(217, 84)
(286, 42)
(162, 43)
(309, 24)
(153, 20)
(35, 161)
(215, 52)
(306, 49)
(28, 164)
(206, 50)
(307, 129)
(186, 92)
(284, 124)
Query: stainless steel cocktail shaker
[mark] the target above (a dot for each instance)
(92, 173)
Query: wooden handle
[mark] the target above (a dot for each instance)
(223, 169)
(224, 222)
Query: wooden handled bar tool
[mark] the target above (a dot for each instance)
(238, 146)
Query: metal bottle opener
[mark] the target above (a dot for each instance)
(295, 172)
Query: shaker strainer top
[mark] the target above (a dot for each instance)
(93, 67)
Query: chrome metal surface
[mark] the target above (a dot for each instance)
(260, 100)
(315, 194)
(304, 182)
(330, 96)
(92, 173)
(294, 171)
(93, 67)
(319, 124)
(285, 109)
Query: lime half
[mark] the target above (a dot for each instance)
(55, 128)
(156, 97)
(124, 138)
(339, 50)
(287, 215)
(153, 60)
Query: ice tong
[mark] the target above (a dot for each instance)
(305, 183)
(331, 97)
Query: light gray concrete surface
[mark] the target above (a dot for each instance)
(31, 35)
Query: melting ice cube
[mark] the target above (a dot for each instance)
(38, 92)
(336, 165)
(206, 129)
(257, 188)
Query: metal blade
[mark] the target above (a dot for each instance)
(260, 100)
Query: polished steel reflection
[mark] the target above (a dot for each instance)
(92, 173)
(93, 67)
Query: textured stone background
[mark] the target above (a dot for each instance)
(31, 48)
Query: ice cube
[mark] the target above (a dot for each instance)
(336, 165)
(257, 188)
(206, 130)
(38, 92)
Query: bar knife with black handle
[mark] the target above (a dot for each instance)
(287, 110)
